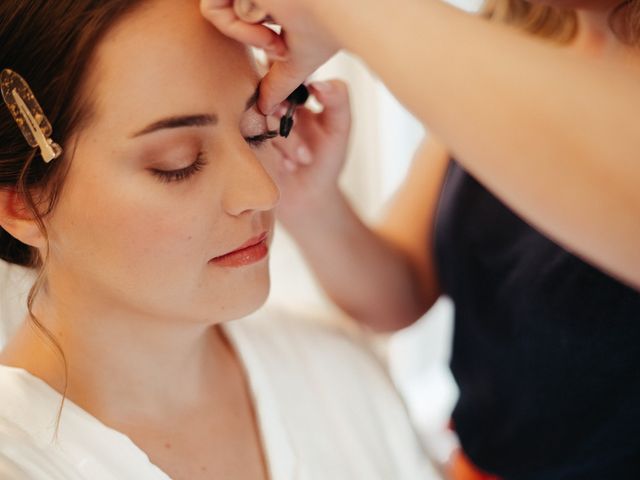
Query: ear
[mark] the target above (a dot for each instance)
(17, 219)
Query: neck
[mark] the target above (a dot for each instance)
(121, 364)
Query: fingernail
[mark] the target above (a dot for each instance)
(276, 50)
(268, 111)
(304, 155)
(322, 87)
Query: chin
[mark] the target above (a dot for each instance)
(255, 301)
(247, 297)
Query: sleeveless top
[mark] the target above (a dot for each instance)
(546, 348)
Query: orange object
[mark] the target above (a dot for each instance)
(461, 468)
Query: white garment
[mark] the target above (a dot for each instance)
(15, 283)
(23, 459)
(326, 409)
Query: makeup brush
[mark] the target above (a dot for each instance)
(299, 97)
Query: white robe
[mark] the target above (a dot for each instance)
(325, 407)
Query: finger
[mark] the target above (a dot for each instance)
(282, 79)
(286, 161)
(334, 96)
(295, 149)
(306, 127)
(221, 14)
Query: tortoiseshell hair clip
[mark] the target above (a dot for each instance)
(28, 114)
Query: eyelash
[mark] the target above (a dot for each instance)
(259, 140)
(169, 176)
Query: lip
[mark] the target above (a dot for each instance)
(251, 251)
(251, 242)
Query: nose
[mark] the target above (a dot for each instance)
(248, 186)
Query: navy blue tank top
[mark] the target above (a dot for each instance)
(546, 348)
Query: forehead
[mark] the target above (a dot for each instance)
(165, 59)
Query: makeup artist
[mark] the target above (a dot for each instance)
(523, 206)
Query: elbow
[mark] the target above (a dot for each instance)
(387, 318)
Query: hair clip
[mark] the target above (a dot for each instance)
(28, 114)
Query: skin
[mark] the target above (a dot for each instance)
(383, 276)
(130, 295)
(577, 186)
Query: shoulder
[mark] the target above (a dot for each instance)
(21, 458)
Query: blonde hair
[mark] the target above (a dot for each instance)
(560, 25)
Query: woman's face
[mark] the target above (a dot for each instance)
(167, 175)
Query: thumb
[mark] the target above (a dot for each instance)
(281, 80)
(221, 15)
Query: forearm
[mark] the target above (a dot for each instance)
(553, 134)
(366, 277)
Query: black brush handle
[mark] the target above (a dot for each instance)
(299, 96)
(286, 124)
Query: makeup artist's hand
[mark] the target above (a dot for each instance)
(302, 47)
(312, 158)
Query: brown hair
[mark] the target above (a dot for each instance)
(50, 43)
(560, 25)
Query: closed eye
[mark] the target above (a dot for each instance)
(168, 176)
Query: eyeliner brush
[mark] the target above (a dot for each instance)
(299, 97)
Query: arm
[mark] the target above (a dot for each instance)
(384, 278)
(369, 278)
(554, 135)
(565, 140)
(408, 225)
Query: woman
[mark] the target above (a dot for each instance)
(524, 230)
(150, 233)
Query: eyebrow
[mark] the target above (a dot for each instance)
(198, 120)
(179, 122)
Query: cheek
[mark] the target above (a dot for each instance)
(131, 228)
